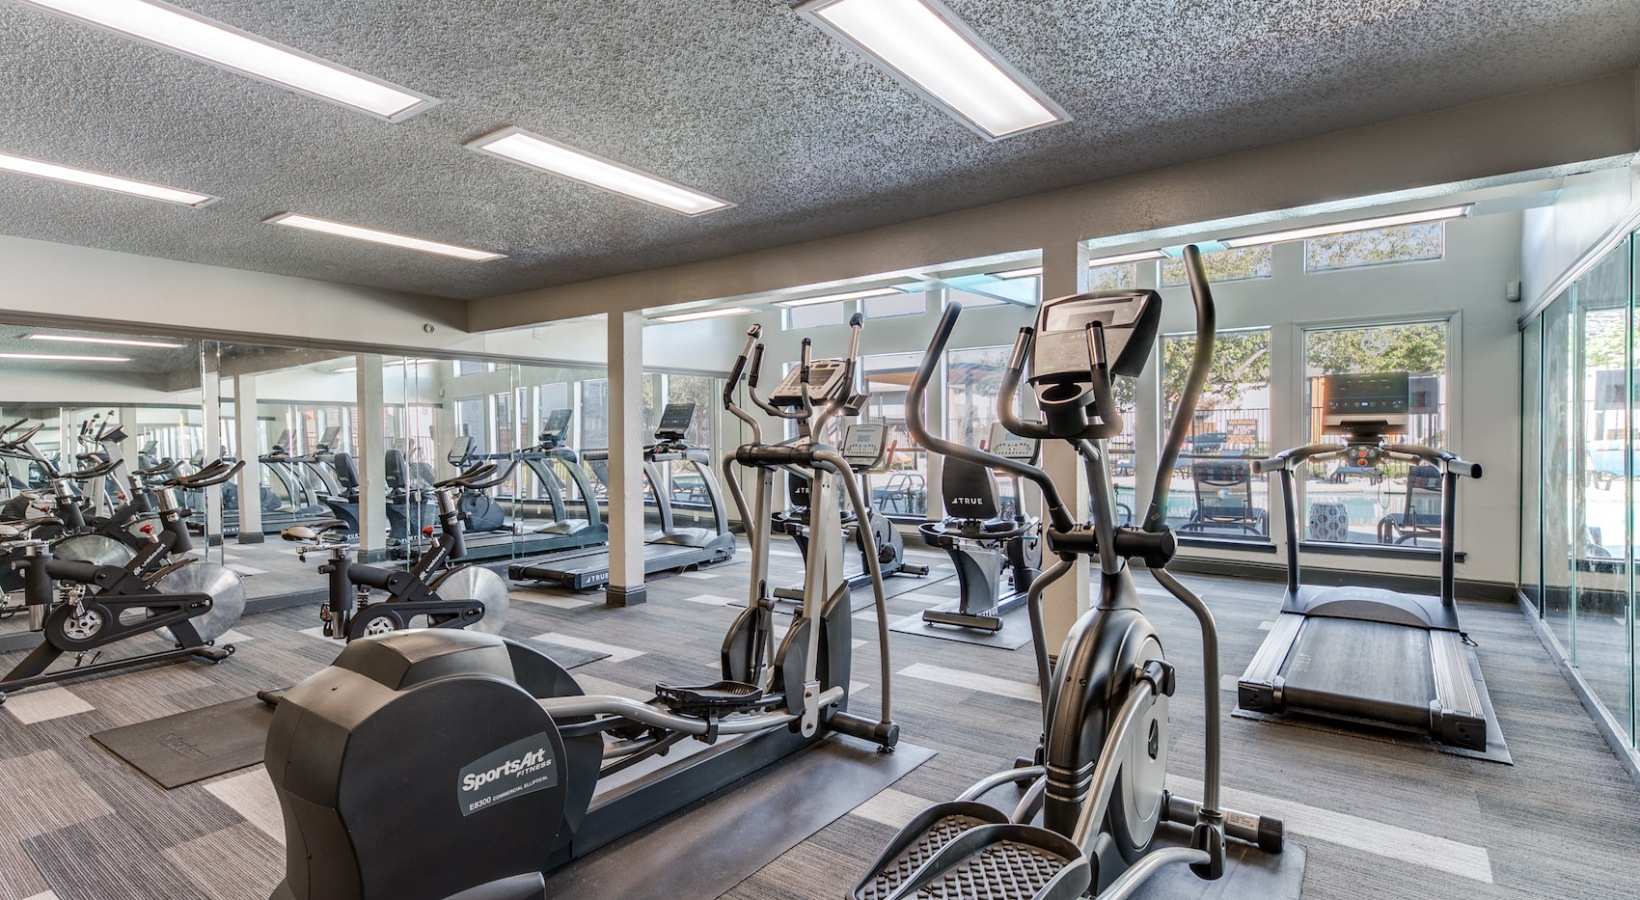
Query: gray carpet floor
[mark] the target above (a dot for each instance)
(1379, 816)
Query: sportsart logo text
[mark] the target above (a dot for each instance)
(529, 762)
(520, 768)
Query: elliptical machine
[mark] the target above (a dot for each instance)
(186, 600)
(518, 780)
(1100, 771)
(463, 596)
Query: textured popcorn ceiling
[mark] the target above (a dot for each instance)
(740, 98)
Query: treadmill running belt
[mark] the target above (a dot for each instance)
(1362, 669)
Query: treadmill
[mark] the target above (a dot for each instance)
(669, 549)
(1366, 654)
(547, 459)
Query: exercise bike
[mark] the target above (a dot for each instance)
(528, 759)
(1099, 773)
(461, 596)
(186, 600)
(983, 539)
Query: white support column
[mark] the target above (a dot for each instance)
(445, 430)
(626, 481)
(210, 391)
(250, 477)
(1064, 271)
(372, 475)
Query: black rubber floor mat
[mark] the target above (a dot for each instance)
(1014, 634)
(709, 848)
(194, 745)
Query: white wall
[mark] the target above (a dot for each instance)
(1556, 237)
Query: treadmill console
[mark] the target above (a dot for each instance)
(675, 422)
(825, 380)
(1366, 405)
(327, 441)
(863, 445)
(555, 428)
(1129, 320)
(1008, 445)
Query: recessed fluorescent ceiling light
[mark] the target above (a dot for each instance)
(925, 46)
(124, 342)
(25, 166)
(519, 146)
(247, 54)
(837, 298)
(705, 314)
(1120, 258)
(1298, 234)
(65, 357)
(309, 223)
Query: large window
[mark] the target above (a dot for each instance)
(901, 489)
(1376, 247)
(1578, 471)
(1223, 265)
(817, 315)
(1396, 503)
(1113, 278)
(1213, 491)
(891, 305)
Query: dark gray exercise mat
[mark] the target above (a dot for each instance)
(202, 743)
(1014, 634)
(710, 847)
(194, 745)
(1496, 750)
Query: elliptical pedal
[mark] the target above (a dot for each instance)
(971, 851)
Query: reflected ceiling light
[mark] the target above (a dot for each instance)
(1032, 272)
(25, 166)
(1120, 258)
(326, 226)
(345, 370)
(520, 146)
(1299, 234)
(838, 298)
(246, 54)
(705, 314)
(930, 50)
(64, 357)
(124, 342)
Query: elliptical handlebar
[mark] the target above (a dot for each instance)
(1201, 365)
(1446, 460)
(753, 345)
(917, 426)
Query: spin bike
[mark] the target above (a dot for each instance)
(186, 600)
(1098, 781)
(462, 596)
(521, 777)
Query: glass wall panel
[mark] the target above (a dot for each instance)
(902, 490)
(1559, 558)
(1214, 492)
(1393, 503)
(1605, 449)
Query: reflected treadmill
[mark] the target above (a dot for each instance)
(669, 549)
(1365, 654)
